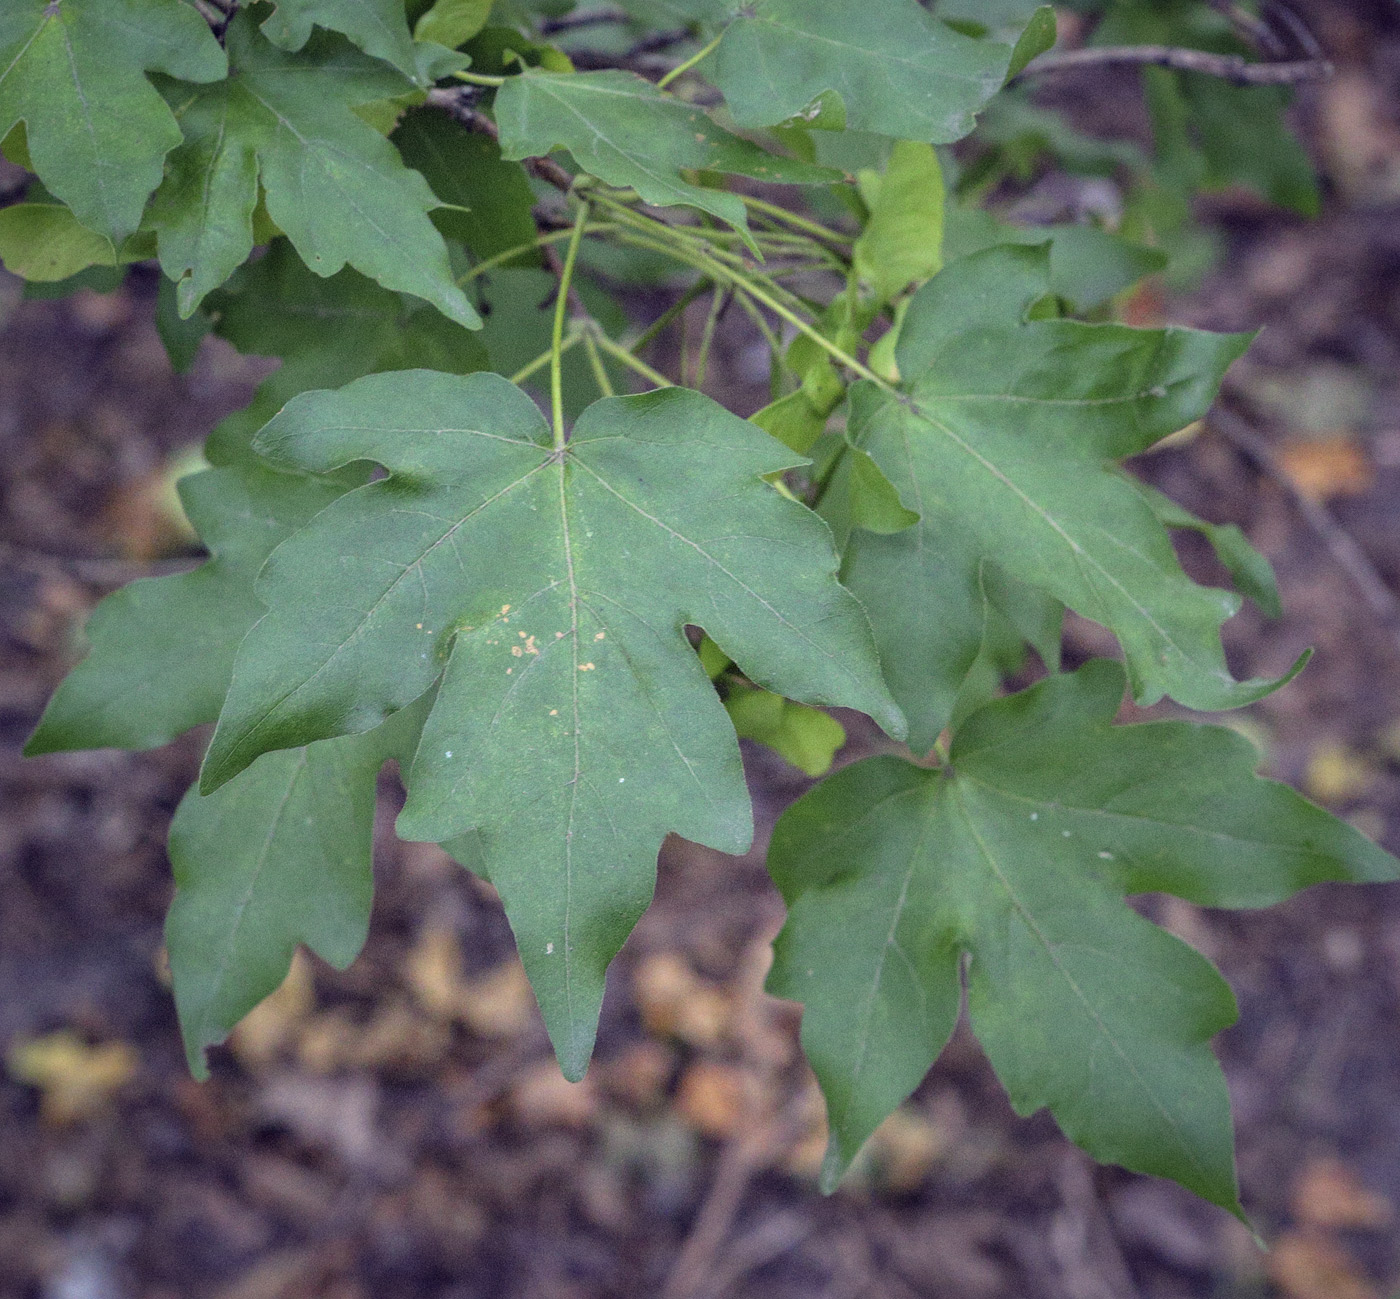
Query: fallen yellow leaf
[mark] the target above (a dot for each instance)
(76, 1080)
(1328, 1194)
(675, 1002)
(1336, 466)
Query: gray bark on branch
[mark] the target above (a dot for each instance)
(1228, 67)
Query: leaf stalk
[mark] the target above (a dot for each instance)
(561, 311)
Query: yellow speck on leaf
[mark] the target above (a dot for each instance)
(601, 635)
(516, 650)
(554, 712)
(585, 667)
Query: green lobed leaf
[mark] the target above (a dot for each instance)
(74, 73)
(999, 446)
(278, 857)
(793, 420)
(333, 184)
(1244, 139)
(574, 727)
(162, 648)
(1016, 859)
(624, 131)
(875, 504)
(897, 70)
(1014, 617)
(1208, 132)
(378, 27)
(181, 336)
(902, 243)
(1039, 36)
(992, 13)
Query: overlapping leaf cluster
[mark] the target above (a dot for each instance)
(409, 562)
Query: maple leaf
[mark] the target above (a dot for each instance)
(623, 130)
(379, 27)
(333, 184)
(883, 65)
(1001, 447)
(1015, 857)
(574, 727)
(73, 71)
(278, 857)
(162, 647)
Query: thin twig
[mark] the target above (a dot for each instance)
(699, 56)
(1299, 30)
(1349, 556)
(1251, 28)
(588, 18)
(658, 325)
(741, 1159)
(751, 1149)
(1228, 67)
(211, 15)
(722, 298)
(543, 359)
(561, 311)
(93, 569)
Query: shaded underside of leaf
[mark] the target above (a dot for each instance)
(491, 200)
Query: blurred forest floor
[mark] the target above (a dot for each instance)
(400, 1131)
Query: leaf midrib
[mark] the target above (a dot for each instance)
(1027, 918)
(245, 901)
(1050, 805)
